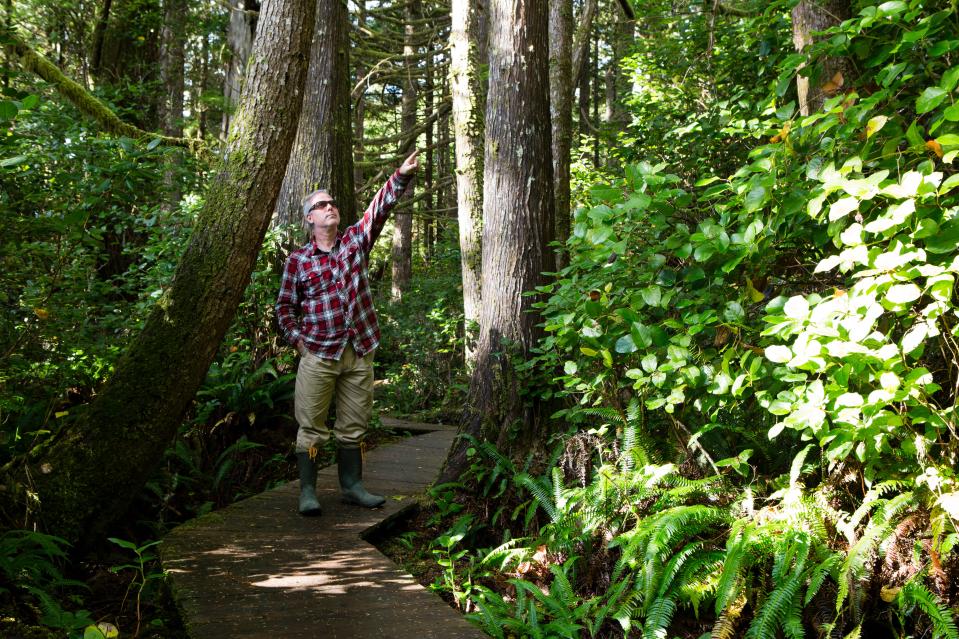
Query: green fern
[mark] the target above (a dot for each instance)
(914, 594)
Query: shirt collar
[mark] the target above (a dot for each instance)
(316, 250)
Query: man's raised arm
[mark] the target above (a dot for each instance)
(371, 224)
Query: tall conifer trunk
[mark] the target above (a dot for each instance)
(809, 18)
(402, 254)
(561, 113)
(468, 94)
(517, 227)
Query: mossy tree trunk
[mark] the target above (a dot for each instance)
(402, 250)
(239, 38)
(808, 19)
(561, 113)
(517, 227)
(87, 477)
(468, 93)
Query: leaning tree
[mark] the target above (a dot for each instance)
(87, 477)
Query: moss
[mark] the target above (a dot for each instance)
(86, 102)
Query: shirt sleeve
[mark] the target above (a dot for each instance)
(287, 303)
(371, 224)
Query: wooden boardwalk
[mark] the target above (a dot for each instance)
(259, 569)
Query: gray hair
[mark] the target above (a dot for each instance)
(305, 202)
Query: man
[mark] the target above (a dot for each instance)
(325, 310)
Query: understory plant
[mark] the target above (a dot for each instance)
(776, 346)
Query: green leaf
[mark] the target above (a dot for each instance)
(8, 110)
(930, 99)
(903, 293)
(946, 240)
(30, 101)
(649, 363)
(14, 161)
(952, 113)
(625, 344)
(755, 199)
(652, 295)
(950, 139)
(949, 79)
(154, 143)
(778, 353)
(875, 124)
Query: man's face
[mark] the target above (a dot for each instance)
(323, 211)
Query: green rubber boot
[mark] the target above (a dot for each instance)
(309, 504)
(349, 462)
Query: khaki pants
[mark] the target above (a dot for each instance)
(317, 381)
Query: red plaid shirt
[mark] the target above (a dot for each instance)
(330, 291)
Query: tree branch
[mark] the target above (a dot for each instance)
(86, 102)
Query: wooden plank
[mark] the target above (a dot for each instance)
(257, 568)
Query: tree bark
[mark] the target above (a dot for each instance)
(517, 227)
(403, 217)
(99, 29)
(808, 18)
(467, 45)
(322, 155)
(86, 479)
(561, 115)
(359, 111)
(172, 40)
(239, 38)
(617, 81)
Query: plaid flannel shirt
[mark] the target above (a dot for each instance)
(330, 292)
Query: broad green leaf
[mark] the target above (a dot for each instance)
(842, 207)
(652, 295)
(649, 363)
(946, 240)
(930, 99)
(875, 124)
(8, 110)
(796, 307)
(949, 183)
(755, 199)
(949, 79)
(14, 161)
(625, 344)
(950, 139)
(778, 353)
(903, 293)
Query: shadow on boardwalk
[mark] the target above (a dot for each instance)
(259, 569)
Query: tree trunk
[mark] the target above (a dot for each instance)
(468, 93)
(239, 38)
(403, 217)
(561, 114)
(172, 40)
(517, 227)
(359, 112)
(322, 155)
(617, 81)
(99, 29)
(86, 479)
(808, 18)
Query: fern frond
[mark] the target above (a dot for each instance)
(658, 617)
(542, 490)
(943, 623)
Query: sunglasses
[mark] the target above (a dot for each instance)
(322, 204)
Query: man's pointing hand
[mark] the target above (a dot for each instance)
(410, 165)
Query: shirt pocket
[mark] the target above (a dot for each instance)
(318, 284)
